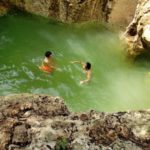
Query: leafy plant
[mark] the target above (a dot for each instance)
(62, 144)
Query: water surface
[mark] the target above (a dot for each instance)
(117, 83)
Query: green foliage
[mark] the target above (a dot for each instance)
(62, 144)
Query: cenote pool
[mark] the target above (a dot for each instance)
(117, 83)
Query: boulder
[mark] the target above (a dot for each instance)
(137, 35)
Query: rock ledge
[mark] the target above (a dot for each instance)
(43, 122)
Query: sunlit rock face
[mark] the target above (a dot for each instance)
(146, 35)
(122, 12)
(66, 10)
(112, 11)
(138, 32)
(39, 122)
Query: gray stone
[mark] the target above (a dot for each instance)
(21, 135)
(50, 123)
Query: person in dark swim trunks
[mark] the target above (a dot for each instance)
(87, 70)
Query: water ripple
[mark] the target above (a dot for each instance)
(28, 72)
(4, 40)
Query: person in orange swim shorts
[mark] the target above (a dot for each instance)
(47, 64)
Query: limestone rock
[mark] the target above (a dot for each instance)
(84, 117)
(122, 12)
(44, 122)
(70, 11)
(21, 135)
(146, 35)
(137, 33)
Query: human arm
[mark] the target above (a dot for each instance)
(79, 62)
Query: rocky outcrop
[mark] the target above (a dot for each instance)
(3, 9)
(112, 11)
(42, 122)
(137, 35)
(67, 10)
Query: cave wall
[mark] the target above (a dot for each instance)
(113, 11)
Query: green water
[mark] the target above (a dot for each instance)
(117, 83)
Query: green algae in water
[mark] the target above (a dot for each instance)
(117, 83)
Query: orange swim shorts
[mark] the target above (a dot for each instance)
(46, 68)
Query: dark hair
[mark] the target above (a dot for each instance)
(88, 66)
(48, 53)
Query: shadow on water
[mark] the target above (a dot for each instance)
(117, 83)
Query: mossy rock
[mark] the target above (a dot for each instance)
(3, 10)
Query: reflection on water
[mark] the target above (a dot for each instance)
(117, 83)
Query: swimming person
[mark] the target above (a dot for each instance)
(47, 64)
(87, 70)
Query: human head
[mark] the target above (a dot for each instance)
(87, 66)
(48, 54)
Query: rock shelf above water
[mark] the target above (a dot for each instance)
(43, 122)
